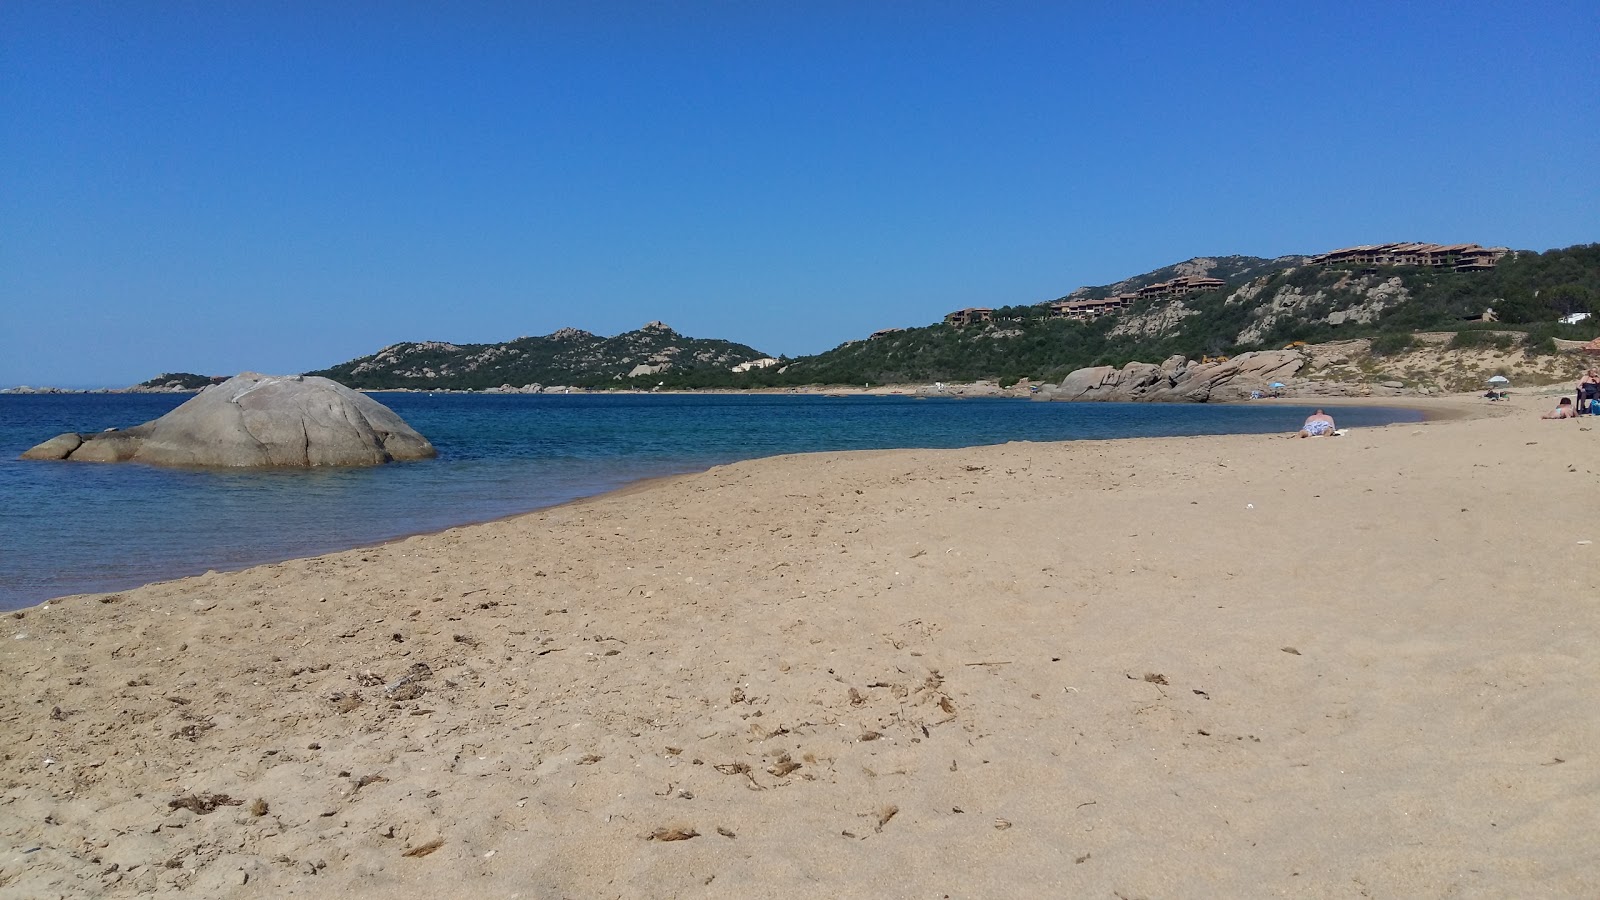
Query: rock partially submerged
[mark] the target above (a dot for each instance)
(256, 420)
(1179, 379)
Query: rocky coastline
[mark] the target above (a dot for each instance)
(1350, 368)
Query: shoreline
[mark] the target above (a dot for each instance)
(1451, 407)
(861, 673)
(969, 390)
(638, 485)
(1432, 411)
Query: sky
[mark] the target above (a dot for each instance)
(281, 186)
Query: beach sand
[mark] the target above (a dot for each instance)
(1362, 666)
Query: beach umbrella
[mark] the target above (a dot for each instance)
(1499, 379)
(1276, 384)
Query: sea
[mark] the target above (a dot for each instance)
(70, 528)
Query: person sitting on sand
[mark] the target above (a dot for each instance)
(1588, 389)
(1317, 425)
(1563, 410)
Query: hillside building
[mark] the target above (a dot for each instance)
(1089, 310)
(972, 315)
(1181, 287)
(1460, 257)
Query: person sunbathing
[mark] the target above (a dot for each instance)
(1563, 410)
(1317, 425)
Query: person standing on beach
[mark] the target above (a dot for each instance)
(1317, 424)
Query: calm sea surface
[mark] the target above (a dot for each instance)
(75, 528)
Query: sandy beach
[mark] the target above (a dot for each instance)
(1234, 666)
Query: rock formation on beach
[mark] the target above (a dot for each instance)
(1179, 379)
(256, 420)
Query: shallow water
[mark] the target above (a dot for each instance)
(74, 528)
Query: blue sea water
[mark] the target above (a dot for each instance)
(75, 528)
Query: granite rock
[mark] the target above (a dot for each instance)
(1179, 379)
(58, 447)
(254, 420)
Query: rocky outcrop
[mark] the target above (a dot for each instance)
(1179, 379)
(58, 447)
(256, 420)
(1352, 300)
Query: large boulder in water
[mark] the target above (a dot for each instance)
(256, 420)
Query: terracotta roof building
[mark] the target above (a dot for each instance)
(1182, 287)
(1088, 310)
(1461, 257)
(972, 315)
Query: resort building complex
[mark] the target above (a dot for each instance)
(1461, 257)
(1085, 310)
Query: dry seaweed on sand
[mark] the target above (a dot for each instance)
(885, 814)
(424, 849)
(673, 833)
(783, 766)
(200, 804)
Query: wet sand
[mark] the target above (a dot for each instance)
(1210, 666)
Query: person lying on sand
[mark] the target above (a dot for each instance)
(1563, 410)
(1317, 424)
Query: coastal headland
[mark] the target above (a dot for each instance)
(1205, 666)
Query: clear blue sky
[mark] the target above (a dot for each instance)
(214, 187)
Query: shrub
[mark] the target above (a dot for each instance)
(1303, 276)
(1481, 340)
(1541, 347)
(1392, 344)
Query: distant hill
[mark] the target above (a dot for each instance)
(175, 382)
(1264, 303)
(566, 357)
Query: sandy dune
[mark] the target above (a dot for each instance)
(1230, 666)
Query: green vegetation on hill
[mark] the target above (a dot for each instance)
(1267, 304)
(1008, 349)
(1528, 293)
(186, 381)
(567, 357)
